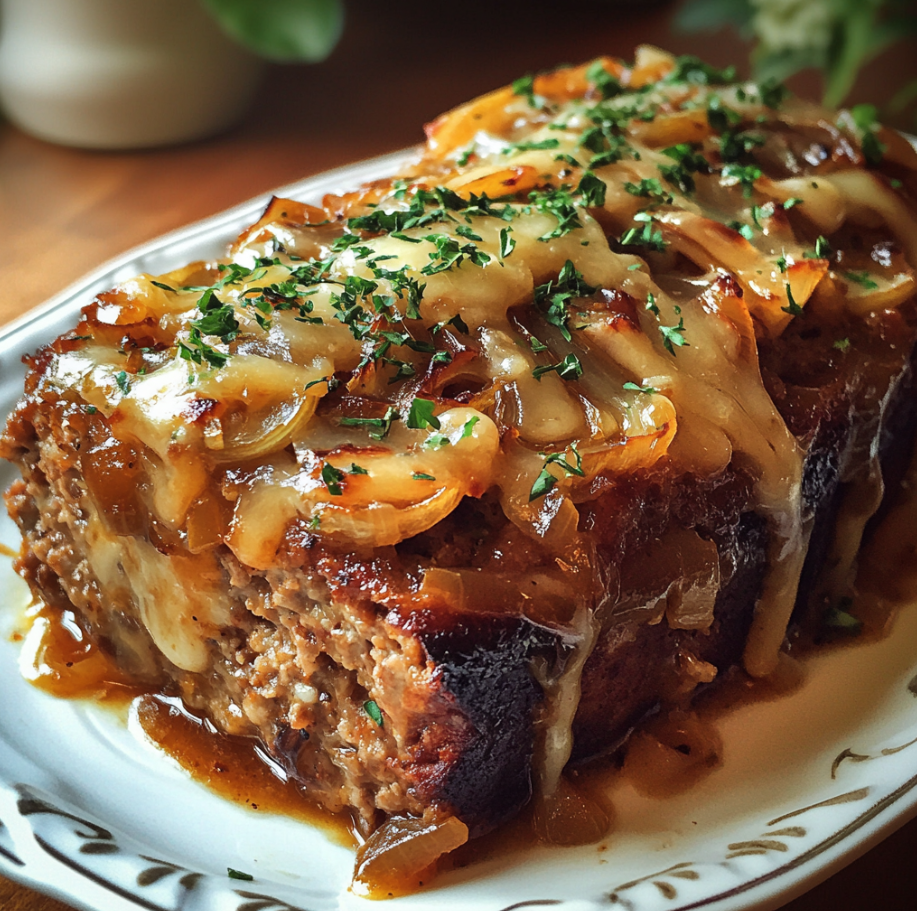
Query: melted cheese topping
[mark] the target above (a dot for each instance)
(570, 282)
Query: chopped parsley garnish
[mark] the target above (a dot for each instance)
(602, 81)
(651, 304)
(862, 279)
(782, 264)
(373, 711)
(674, 336)
(649, 188)
(381, 426)
(762, 212)
(124, 384)
(688, 161)
(554, 296)
(569, 368)
(634, 387)
(719, 116)
(525, 86)
(163, 286)
(91, 409)
(567, 159)
(422, 476)
(217, 319)
(822, 249)
(772, 93)
(450, 254)
(546, 480)
(238, 874)
(736, 144)
(559, 203)
(647, 236)
(791, 202)
(744, 175)
(332, 477)
(537, 346)
(421, 415)
(842, 344)
(695, 71)
(507, 243)
(357, 469)
(532, 146)
(745, 230)
(592, 190)
(468, 427)
(792, 308)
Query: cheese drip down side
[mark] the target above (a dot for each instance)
(568, 286)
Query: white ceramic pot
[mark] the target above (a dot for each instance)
(122, 74)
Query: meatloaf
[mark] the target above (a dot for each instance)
(446, 482)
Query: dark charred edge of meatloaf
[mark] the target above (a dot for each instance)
(633, 664)
(824, 489)
(484, 664)
(617, 691)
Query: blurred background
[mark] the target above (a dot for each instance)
(167, 111)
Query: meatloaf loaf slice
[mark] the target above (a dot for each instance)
(454, 479)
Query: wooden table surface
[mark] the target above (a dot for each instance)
(65, 211)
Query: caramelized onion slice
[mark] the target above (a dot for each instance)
(870, 292)
(395, 858)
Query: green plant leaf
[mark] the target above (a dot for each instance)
(282, 30)
(703, 15)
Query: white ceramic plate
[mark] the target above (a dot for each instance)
(97, 816)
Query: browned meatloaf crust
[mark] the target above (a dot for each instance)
(447, 671)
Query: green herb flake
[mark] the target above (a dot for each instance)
(569, 368)
(792, 202)
(649, 188)
(422, 476)
(694, 71)
(862, 279)
(91, 409)
(507, 243)
(674, 336)
(380, 426)
(468, 428)
(357, 469)
(546, 480)
(531, 146)
(163, 286)
(634, 387)
(332, 477)
(792, 308)
(525, 87)
(592, 190)
(743, 175)
(123, 382)
(421, 415)
(554, 296)
(238, 874)
(782, 264)
(374, 712)
(602, 81)
(842, 344)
